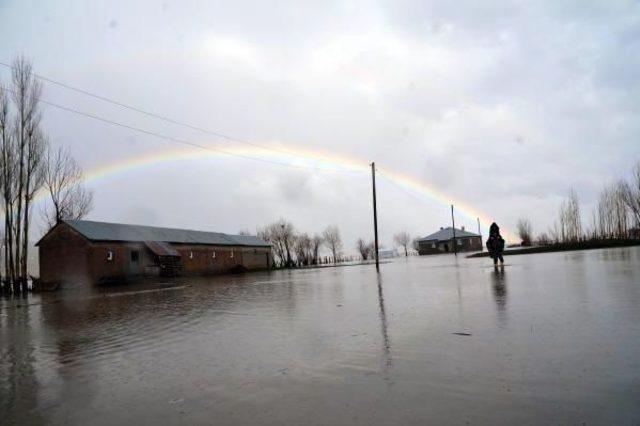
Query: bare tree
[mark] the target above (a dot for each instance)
(331, 236)
(281, 236)
(316, 243)
(35, 151)
(525, 231)
(363, 248)
(26, 95)
(570, 221)
(372, 249)
(24, 169)
(303, 249)
(631, 194)
(287, 235)
(604, 214)
(8, 169)
(63, 181)
(266, 235)
(611, 215)
(22, 146)
(403, 239)
(620, 210)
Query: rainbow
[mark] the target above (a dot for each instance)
(291, 157)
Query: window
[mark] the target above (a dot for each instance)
(190, 255)
(213, 255)
(231, 255)
(433, 245)
(110, 255)
(135, 255)
(459, 241)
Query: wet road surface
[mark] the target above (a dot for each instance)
(552, 339)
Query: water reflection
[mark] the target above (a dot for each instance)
(458, 283)
(499, 286)
(617, 254)
(286, 346)
(383, 323)
(18, 378)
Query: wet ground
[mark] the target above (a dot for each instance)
(551, 339)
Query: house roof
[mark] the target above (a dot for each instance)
(104, 231)
(446, 234)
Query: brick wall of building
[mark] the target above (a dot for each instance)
(121, 264)
(465, 244)
(66, 257)
(63, 258)
(198, 259)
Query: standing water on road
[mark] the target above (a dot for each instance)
(552, 338)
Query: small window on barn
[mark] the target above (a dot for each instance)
(459, 241)
(190, 255)
(231, 255)
(135, 255)
(110, 255)
(213, 255)
(433, 245)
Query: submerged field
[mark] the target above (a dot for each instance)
(552, 338)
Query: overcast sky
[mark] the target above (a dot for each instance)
(502, 106)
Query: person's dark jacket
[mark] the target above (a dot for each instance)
(495, 243)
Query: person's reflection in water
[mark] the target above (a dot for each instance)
(383, 325)
(498, 277)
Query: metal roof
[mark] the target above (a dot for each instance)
(103, 231)
(446, 234)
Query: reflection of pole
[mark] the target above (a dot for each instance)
(383, 323)
(453, 221)
(375, 212)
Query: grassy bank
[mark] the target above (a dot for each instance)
(582, 245)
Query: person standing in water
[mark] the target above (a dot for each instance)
(495, 244)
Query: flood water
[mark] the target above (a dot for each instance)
(552, 339)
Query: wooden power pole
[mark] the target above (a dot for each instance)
(453, 221)
(375, 213)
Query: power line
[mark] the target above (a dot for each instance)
(189, 143)
(152, 114)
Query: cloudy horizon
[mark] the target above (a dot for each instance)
(503, 107)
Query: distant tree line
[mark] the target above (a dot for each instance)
(402, 239)
(28, 165)
(616, 215)
(295, 249)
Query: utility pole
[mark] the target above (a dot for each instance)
(453, 221)
(480, 233)
(375, 213)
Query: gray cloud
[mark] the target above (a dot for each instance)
(503, 106)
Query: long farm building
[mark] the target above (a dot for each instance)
(79, 252)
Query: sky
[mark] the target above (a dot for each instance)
(499, 108)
